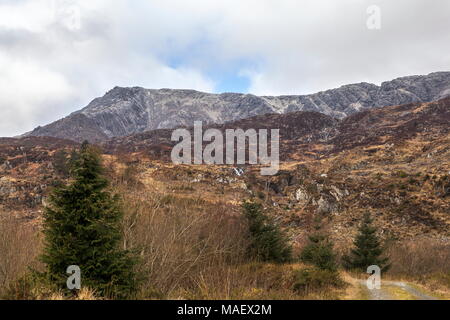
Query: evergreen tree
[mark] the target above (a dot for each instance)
(268, 242)
(368, 250)
(319, 251)
(61, 163)
(73, 158)
(82, 227)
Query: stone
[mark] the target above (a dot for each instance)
(302, 196)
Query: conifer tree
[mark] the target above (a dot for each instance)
(61, 163)
(268, 242)
(319, 251)
(367, 250)
(82, 227)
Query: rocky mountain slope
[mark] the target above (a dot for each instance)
(391, 161)
(307, 134)
(126, 111)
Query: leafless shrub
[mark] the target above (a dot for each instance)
(19, 248)
(181, 241)
(418, 258)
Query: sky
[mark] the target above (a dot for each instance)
(58, 55)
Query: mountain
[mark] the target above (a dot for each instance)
(313, 134)
(125, 111)
(391, 161)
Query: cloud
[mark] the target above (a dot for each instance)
(27, 92)
(57, 55)
(51, 64)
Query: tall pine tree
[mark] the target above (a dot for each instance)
(82, 227)
(368, 250)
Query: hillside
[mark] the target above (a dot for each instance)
(392, 161)
(311, 135)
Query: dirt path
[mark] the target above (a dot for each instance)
(395, 290)
(390, 290)
(375, 294)
(413, 291)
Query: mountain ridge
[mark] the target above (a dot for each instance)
(309, 134)
(125, 111)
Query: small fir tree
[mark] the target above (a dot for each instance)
(268, 243)
(61, 163)
(368, 250)
(82, 227)
(319, 251)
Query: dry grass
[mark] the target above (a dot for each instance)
(19, 247)
(183, 243)
(419, 257)
(255, 281)
(424, 261)
(45, 294)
